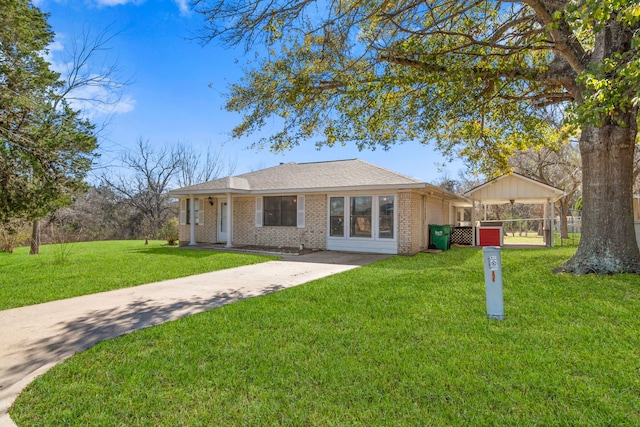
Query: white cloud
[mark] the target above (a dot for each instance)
(102, 100)
(57, 45)
(99, 3)
(54, 55)
(183, 5)
(108, 3)
(100, 95)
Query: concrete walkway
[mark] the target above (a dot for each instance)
(33, 339)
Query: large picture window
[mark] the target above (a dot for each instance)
(280, 211)
(336, 217)
(361, 210)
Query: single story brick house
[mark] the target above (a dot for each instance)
(344, 205)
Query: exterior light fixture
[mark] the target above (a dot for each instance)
(210, 201)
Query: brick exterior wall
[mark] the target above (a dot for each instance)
(313, 236)
(208, 232)
(436, 209)
(316, 217)
(409, 224)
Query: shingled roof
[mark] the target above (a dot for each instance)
(308, 177)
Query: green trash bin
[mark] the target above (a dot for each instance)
(440, 236)
(448, 228)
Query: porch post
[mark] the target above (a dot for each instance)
(546, 232)
(192, 220)
(544, 223)
(551, 222)
(473, 223)
(229, 222)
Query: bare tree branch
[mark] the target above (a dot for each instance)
(145, 187)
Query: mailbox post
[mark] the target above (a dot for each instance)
(493, 282)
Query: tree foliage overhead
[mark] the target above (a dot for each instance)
(46, 148)
(469, 75)
(473, 77)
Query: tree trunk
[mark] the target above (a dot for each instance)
(35, 238)
(608, 242)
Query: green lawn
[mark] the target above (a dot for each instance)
(526, 239)
(401, 342)
(69, 270)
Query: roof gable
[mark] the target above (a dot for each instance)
(515, 187)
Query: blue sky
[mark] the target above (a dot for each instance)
(178, 87)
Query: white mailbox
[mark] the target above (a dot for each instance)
(493, 282)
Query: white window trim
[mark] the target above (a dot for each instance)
(300, 207)
(373, 217)
(198, 207)
(344, 217)
(395, 217)
(258, 217)
(183, 211)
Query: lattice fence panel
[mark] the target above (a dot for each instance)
(462, 236)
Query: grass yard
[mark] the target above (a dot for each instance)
(74, 269)
(526, 239)
(403, 342)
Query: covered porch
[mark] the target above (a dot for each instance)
(511, 189)
(210, 214)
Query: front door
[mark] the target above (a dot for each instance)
(222, 221)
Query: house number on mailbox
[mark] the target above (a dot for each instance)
(493, 282)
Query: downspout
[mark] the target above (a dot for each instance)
(424, 229)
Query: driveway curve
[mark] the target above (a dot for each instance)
(35, 338)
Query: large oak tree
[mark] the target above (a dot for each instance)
(468, 76)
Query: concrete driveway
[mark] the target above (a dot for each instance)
(33, 339)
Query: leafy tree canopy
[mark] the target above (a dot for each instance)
(473, 77)
(46, 148)
(470, 76)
